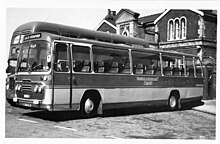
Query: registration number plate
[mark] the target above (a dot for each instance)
(26, 96)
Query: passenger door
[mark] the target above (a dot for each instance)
(62, 74)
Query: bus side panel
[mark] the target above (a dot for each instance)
(145, 96)
(127, 97)
(127, 89)
(190, 92)
(134, 94)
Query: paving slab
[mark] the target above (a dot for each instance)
(208, 107)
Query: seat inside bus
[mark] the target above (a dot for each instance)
(114, 68)
(177, 71)
(150, 70)
(77, 66)
(86, 66)
(126, 69)
(139, 69)
(168, 71)
(158, 71)
(101, 67)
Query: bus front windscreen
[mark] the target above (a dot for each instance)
(34, 56)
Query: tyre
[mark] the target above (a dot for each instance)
(10, 101)
(89, 107)
(173, 102)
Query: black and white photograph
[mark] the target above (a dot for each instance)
(109, 71)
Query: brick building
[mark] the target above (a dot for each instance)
(190, 31)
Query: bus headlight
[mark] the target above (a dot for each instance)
(18, 87)
(40, 89)
(7, 86)
(36, 88)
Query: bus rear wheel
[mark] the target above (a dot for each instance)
(172, 102)
(88, 107)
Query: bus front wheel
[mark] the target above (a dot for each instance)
(88, 107)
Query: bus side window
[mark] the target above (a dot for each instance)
(189, 67)
(61, 58)
(110, 60)
(81, 58)
(173, 65)
(145, 62)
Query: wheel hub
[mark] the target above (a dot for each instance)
(89, 105)
(172, 102)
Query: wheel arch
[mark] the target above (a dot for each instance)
(96, 96)
(175, 93)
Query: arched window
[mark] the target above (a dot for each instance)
(125, 32)
(183, 28)
(170, 30)
(177, 29)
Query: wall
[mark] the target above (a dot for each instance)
(210, 28)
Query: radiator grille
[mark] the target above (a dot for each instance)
(26, 87)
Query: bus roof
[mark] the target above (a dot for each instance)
(126, 47)
(70, 31)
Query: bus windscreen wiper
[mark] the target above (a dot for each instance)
(39, 66)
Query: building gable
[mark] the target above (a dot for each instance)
(125, 15)
(105, 23)
(168, 10)
(171, 27)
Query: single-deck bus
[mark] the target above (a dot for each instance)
(33, 27)
(69, 68)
